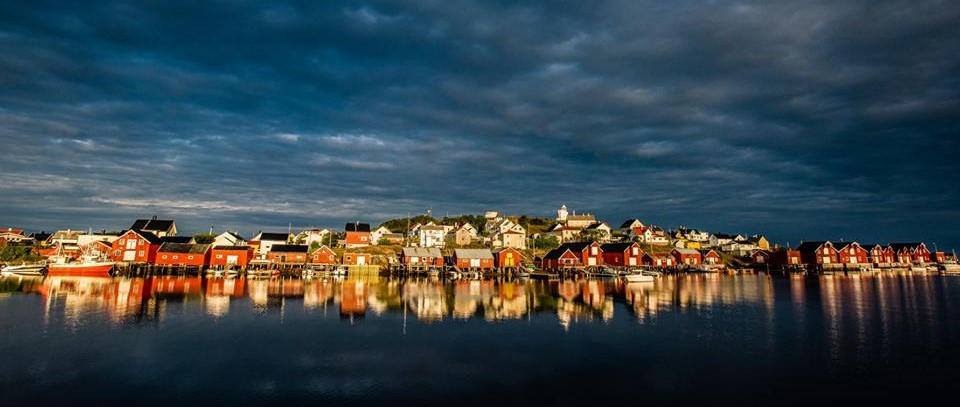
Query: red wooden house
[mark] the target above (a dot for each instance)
(472, 259)
(622, 254)
(687, 257)
(358, 235)
(852, 253)
(183, 254)
(908, 253)
(880, 256)
(559, 258)
(585, 254)
(818, 253)
(230, 256)
(760, 257)
(649, 259)
(507, 257)
(323, 255)
(711, 257)
(786, 257)
(356, 259)
(288, 254)
(136, 247)
(421, 257)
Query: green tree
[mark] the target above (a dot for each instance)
(204, 238)
(545, 241)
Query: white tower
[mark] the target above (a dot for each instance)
(562, 214)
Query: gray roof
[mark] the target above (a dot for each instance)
(421, 252)
(184, 248)
(473, 253)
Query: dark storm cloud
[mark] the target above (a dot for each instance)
(801, 119)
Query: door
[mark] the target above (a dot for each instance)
(591, 261)
(232, 259)
(474, 262)
(131, 244)
(129, 255)
(509, 261)
(361, 260)
(632, 261)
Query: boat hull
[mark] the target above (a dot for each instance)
(81, 270)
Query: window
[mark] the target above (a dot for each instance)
(175, 257)
(141, 253)
(140, 242)
(189, 257)
(633, 251)
(219, 256)
(593, 250)
(852, 251)
(826, 250)
(164, 256)
(116, 252)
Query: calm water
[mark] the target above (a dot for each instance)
(715, 340)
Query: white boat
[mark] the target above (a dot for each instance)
(918, 268)
(339, 271)
(639, 278)
(24, 270)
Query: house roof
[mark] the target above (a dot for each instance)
(629, 222)
(502, 249)
(176, 239)
(616, 247)
(421, 252)
(686, 251)
(810, 246)
(557, 253)
(289, 248)
(233, 235)
(909, 246)
(473, 253)
(184, 248)
(236, 248)
(847, 244)
(156, 225)
(357, 227)
(575, 247)
(432, 227)
(598, 225)
(723, 236)
(580, 217)
(149, 237)
(274, 237)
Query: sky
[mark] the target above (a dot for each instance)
(807, 120)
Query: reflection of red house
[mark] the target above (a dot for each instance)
(175, 285)
(353, 298)
(183, 254)
(136, 247)
(323, 255)
(234, 287)
(507, 257)
(852, 253)
(622, 254)
(226, 256)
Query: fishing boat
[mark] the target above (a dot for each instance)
(433, 272)
(87, 266)
(604, 272)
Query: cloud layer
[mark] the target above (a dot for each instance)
(810, 120)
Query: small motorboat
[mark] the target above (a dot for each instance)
(639, 278)
(24, 270)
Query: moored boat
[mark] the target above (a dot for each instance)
(86, 266)
(639, 278)
(23, 270)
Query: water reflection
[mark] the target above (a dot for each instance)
(845, 301)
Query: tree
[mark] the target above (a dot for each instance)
(204, 238)
(314, 246)
(592, 235)
(545, 241)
